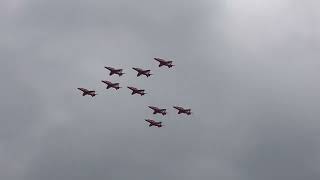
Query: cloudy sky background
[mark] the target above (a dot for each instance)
(249, 69)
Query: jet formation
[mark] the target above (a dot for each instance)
(141, 92)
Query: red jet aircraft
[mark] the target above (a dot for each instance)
(158, 110)
(87, 92)
(182, 110)
(111, 85)
(114, 71)
(142, 72)
(154, 123)
(164, 62)
(137, 91)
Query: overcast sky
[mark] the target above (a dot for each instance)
(248, 69)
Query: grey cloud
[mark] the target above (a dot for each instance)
(247, 69)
